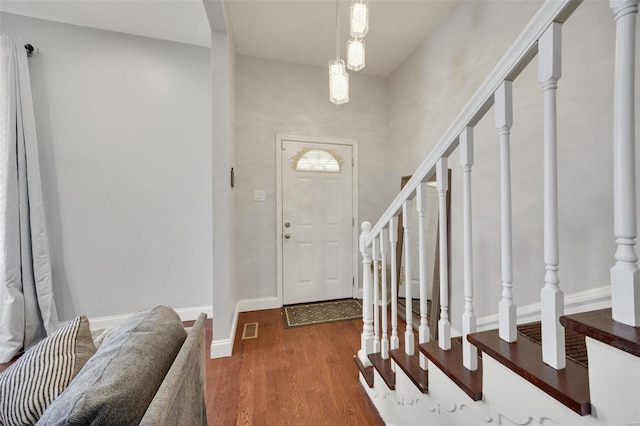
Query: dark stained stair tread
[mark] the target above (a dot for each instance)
(450, 362)
(574, 343)
(570, 386)
(383, 366)
(410, 364)
(599, 325)
(367, 372)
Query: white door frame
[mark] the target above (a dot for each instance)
(355, 229)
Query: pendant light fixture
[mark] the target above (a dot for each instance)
(338, 76)
(355, 55)
(359, 26)
(359, 20)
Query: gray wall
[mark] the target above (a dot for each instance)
(223, 78)
(124, 132)
(432, 86)
(278, 97)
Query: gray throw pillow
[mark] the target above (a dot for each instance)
(117, 384)
(43, 372)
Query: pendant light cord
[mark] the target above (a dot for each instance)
(337, 30)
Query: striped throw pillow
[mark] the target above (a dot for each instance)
(43, 372)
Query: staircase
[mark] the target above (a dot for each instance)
(499, 375)
(513, 369)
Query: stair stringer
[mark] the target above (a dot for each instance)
(614, 383)
(407, 406)
(508, 399)
(522, 403)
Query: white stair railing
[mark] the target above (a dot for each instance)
(384, 343)
(393, 239)
(504, 121)
(409, 339)
(469, 352)
(552, 298)
(542, 37)
(423, 330)
(376, 296)
(444, 326)
(625, 277)
(366, 339)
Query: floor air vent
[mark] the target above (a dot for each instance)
(250, 331)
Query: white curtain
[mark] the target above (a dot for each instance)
(27, 309)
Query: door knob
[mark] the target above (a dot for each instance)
(287, 224)
(287, 236)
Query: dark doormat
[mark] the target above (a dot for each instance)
(321, 312)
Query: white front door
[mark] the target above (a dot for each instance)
(317, 221)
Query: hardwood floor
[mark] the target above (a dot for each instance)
(296, 376)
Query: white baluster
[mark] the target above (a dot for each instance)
(393, 239)
(625, 277)
(552, 298)
(384, 343)
(409, 341)
(376, 298)
(366, 340)
(469, 352)
(423, 331)
(504, 120)
(444, 327)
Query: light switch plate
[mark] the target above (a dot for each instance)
(258, 195)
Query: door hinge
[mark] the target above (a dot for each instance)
(353, 222)
(353, 281)
(352, 162)
(282, 145)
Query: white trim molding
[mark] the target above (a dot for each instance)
(186, 314)
(223, 348)
(588, 300)
(260, 304)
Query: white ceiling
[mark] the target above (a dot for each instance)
(303, 31)
(298, 31)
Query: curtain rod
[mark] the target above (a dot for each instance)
(30, 49)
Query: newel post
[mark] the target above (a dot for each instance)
(366, 343)
(625, 278)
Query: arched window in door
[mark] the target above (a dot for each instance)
(317, 160)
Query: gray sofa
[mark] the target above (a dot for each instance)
(181, 398)
(149, 371)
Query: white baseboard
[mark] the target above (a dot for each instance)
(223, 348)
(186, 314)
(191, 314)
(260, 304)
(107, 322)
(588, 300)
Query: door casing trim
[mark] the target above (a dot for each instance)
(354, 205)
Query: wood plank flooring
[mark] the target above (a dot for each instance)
(296, 376)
